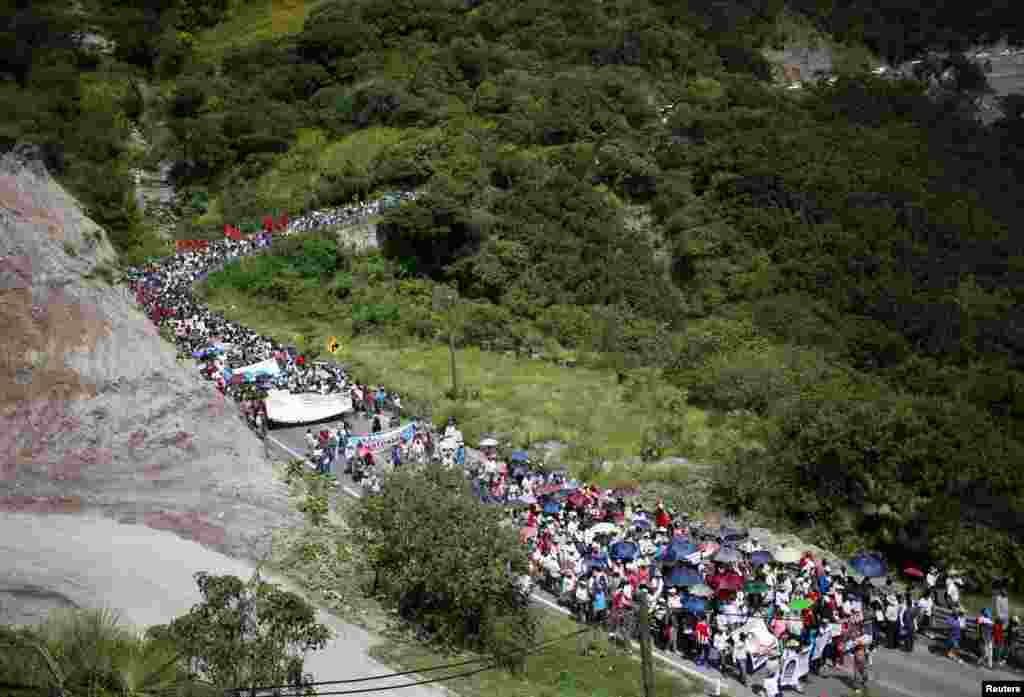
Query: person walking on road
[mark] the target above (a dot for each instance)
(985, 630)
(924, 613)
(907, 624)
(860, 667)
(953, 643)
(892, 616)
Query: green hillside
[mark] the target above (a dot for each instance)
(835, 271)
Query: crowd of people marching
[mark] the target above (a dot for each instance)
(720, 596)
(163, 288)
(346, 215)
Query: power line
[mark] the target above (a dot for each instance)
(523, 652)
(366, 690)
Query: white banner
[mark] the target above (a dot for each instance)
(267, 367)
(287, 408)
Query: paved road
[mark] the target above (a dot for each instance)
(146, 574)
(897, 674)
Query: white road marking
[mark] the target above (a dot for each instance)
(285, 447)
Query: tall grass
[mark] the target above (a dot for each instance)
(518, 400)
(561, 670)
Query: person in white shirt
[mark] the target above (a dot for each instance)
(930, 580)
(924, 612)
(953, 591)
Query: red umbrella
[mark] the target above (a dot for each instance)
(578, 499)
(913, 572)
(727, 582)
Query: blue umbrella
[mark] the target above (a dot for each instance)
(624, 550)
(519, 456)
(552, 507)
(869, 565)
(642, 523)
(677, 550)
(760, 558)
(697, 606)
(732, 535)
(683, 576)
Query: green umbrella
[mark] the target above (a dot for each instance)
(702, 591)
(800, 604)
(755, 587)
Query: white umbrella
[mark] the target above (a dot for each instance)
(604, 529)
(488, 443)
(786, 555)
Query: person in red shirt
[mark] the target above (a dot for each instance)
(661, 517)
(703, 636)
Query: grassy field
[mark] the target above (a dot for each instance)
(560, 670)
(518, 400)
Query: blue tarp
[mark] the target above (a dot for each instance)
(683, 576)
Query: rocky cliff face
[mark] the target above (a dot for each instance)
(95, 410)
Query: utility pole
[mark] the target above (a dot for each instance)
(445, 299)
(646, 661)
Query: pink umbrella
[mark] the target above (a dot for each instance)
(729, 582)
(709, 547)
(578, 499)
(527, 534)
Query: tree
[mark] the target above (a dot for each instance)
(91, 652)
(246, 634)
(445, 561)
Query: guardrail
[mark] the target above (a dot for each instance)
(969, 634)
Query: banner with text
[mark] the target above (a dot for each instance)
(384, 440)
(267, 367)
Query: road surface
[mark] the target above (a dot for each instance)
(146, 575)
(895, 673)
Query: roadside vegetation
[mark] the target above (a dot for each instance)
(425, 566)
(199, 654)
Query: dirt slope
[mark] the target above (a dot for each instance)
(95, 411)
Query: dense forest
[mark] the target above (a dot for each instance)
(837, 268)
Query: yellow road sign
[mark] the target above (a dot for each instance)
(333, 345)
